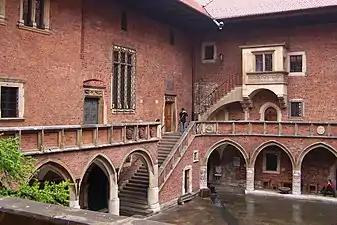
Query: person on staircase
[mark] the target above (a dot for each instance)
(183, 117)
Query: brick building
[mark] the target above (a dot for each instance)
(83, 82)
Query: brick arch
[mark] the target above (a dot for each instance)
(224, 142)
(260, 148)
(144, 154)
(106, 165)
(58, 166)
(312, 147)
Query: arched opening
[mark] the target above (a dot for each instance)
(98, 190)
(229, 112)
(226, 167)
(134, 181)
(318, 166)
(270, 114)
(273, 168)
(54, 172)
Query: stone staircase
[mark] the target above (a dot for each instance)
(166, 145)
(133, 196)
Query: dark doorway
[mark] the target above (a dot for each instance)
(187, 181)
(91, 110)
(270, 114)
(98, 190)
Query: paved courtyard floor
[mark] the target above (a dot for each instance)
(240, 209)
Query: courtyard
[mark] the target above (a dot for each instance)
(241, 209)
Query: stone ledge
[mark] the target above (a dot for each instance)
(292, 196)
(53, 214)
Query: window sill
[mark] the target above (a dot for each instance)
(296, 118)
(266, 72)
(12, 119)
(34, 29)
(271, 172)
(297, 74)
(127, 111)
(208, 61)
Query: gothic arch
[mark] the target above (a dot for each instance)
(268, 144)
(58, 167)
(144, 154)
(312, 147)
(224, 142)
(267, 105)
(107, 167)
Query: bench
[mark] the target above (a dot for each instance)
(284, 190)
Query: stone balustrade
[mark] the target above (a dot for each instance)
(259, 128)
(44, 139)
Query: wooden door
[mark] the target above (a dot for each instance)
(187, 181)
(168, 116)
(91, 113)
(270, 114)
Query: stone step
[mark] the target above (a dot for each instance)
(171, 134)
(164, 150)
(163, 153)
(140, 177)
(134, 194)
(135, 189)
(129, 196)
(129, 211)
(134, 205)
(166, 146)
(136, 180)
(171, 138)
(142, 174)
(140, 185)
(131, 199)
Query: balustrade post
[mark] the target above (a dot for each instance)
(249, 179)
(296, 129)
(279, 129)
(79, 137)
(296, 182)
(110, 135)
(95, 136)
(61, 136)
(40, 140)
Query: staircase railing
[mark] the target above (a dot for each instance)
(176, 154)
(224, 88)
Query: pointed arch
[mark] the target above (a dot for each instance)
(144, 155)
(269, 144)
(312, 147)
(226, 142)
(57, 167)
(105, 164)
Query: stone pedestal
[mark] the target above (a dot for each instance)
(296, 182)
(114, 206)
(153, 199)
(74, 204)
(249, 179)
(203, 178)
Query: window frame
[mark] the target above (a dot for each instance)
(274, 152)
(264, 53)
(203, 52)
(304, 63)
(133, 80)
(20, 103)
(46, 17)
(195, 156)
(289, 111)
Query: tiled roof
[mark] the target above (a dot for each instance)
(222, 9)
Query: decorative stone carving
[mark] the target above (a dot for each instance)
(203, 177)
(320, 130)
(153, 132)
(93, 92)
(142, 132)
(296, 182)
(267, 78)
(129, 133)
(250, 179)
(170, 98)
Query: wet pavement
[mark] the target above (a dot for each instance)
(239, 209)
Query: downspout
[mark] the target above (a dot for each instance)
(193, 82)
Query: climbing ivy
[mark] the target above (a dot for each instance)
(15, 171)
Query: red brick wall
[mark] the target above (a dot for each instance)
(54, 72)
(319, 43)
(285, 173)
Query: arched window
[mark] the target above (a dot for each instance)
(270, 114)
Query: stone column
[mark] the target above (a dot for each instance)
(249, 179)
(203, 177)
(114, 200)
(73, 201)
(296, 182)
(153, 190)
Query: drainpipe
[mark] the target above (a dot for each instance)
(193, 82)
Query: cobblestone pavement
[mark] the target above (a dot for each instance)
(240, 209)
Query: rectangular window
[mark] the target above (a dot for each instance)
(35, 13)
(123, 79)
(208, 52)
(296, 109)
(271, 161)
(296, 63)
(264, 62)
(9, 102)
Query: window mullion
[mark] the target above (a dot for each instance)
(33, 12)
(119, 81)
(263, 62)
(126, 84)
